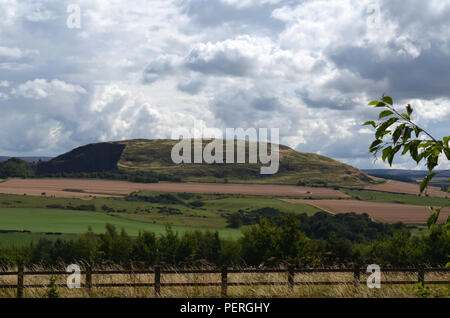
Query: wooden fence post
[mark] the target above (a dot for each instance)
(224, 286)
(291, 274)
(356, 275)
(421, 274)
(89, 278)
(20, 275)
(157, 281)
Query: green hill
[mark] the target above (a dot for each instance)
(154, 157)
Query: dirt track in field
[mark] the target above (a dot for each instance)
(383, 212)
(83, 188)
(408, 188)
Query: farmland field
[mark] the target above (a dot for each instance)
(397, 198)
(86, 188)
(69, 206)
(382, 212)
(47, 214)
(405, 187)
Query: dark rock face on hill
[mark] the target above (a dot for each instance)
(90, 158)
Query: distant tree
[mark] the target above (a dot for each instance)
(145, 248)
(281, 242)
(14, 168)
(85, 247)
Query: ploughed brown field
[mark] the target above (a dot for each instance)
(408, 188)
(83, 188)
(382, 212)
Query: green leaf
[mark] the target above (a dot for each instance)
(446, 141)
(380, 104)
(433, 218)
(405, 148)
(374, 145)
(386, 152)
(397, 133)
(385, 114)
(417, 130)
(373, 103)
(409, 110)
(413, 149)
(382, 128)
(432, 162)
(426, 181)
(406, 116)
(371, 122)
(388, 100)
(392, 154)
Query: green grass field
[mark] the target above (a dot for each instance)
(75, 222)
(210, 215)
(32, 213)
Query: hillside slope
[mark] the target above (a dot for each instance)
(155, 156)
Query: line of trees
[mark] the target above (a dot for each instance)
(17, 168)
(268, 243)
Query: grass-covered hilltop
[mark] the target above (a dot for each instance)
(150, 161)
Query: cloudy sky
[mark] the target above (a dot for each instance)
(140, 69)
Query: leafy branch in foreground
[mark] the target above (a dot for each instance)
(395, 131)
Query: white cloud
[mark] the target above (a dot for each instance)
(247, 56)
(249, 3)
(6, 52)
(41, 88)
(136, 70)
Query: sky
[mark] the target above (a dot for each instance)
(141, 69)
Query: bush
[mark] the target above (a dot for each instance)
(197, 204)
(52, 291)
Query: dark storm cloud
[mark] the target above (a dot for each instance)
(425, 76)
(192, 86)
(324, 102)
(215, 13)
(158, 69)
(220, 63)
(234, 111)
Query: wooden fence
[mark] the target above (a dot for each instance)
(223, 284)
